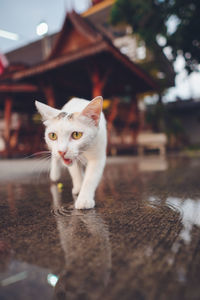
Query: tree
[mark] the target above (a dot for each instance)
(153, 18)
(186, 37)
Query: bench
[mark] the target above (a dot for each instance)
(150, 140)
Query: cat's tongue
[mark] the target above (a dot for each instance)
(67, 161)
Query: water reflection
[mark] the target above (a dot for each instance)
(22, 280)
(188, 210)
(84, 238)
(190, 215)
(155, 247)
(152, 164)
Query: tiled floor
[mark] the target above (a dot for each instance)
(142, 241)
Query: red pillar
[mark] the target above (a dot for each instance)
(97, 86)
(49, 94)
(98, 81)
(7, 120)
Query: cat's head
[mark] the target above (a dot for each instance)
(69, 135)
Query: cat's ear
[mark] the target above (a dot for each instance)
(93, 110)
(47, 112)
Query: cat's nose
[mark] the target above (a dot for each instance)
(62, 153)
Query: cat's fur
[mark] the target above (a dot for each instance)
(77, 115)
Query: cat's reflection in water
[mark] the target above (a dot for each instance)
(84, 238)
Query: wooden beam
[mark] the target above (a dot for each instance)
(49, 94)
(60, 61)
(7, 120)
(113, 113)
(98, 7)
(17, 88)
(132, 121)
(133, 67)
(98, 81)
(97, 87)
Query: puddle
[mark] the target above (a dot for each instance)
(141, 241)
(152, 164)
(67, 211)
(189, 210)
(19, 276)
(62, 211)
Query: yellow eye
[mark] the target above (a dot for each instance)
(76, 135)
(52, 136)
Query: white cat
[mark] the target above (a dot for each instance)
(76, 134)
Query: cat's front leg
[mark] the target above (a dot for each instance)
(76, 173)
(55, 171)
(91, 180)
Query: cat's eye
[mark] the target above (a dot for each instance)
(76, 135)
(52, 136)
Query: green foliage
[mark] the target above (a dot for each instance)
(149, 18)
(145, 17)
(187, 35)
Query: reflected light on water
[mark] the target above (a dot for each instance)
(52, 279)
(190, 215)
(84, 238)
(152, 164)
(14, 278)
(189, 210)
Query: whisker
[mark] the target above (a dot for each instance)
(37, 154)
(82, 160)
(41, 165)
(44, 166)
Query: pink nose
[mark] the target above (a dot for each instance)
(62, 153)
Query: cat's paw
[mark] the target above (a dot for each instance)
(84, 203)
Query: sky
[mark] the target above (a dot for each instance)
(23, 16)
(185, 86)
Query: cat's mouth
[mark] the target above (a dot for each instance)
(67, 161)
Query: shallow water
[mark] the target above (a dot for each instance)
(142, 241)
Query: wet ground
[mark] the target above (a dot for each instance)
(142, 241)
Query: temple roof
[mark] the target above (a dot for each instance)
(79, 41)
(79, 50)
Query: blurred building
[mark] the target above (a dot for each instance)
(187, 113)
(81, 60)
